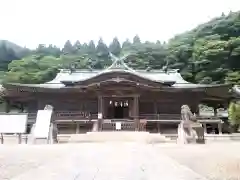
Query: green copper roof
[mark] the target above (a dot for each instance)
(154, 75)
(82, 75)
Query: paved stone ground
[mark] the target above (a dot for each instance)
(216, 161)
(90, 161)
(114, 161)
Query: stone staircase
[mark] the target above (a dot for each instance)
(125, 126)
(118, 136)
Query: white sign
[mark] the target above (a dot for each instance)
(118, 126)
(13, 123)
(42, 123)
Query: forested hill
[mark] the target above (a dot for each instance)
(210, 53)
(10, 51)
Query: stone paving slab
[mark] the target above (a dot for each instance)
(109, 161)
(216, 161)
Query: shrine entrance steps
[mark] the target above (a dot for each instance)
(118, 136)
(125, 126)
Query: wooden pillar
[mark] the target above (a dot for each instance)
(158, 127)
(205, 127)
(100, 112)
(136, 112)
(215, 111)
(155, 110)
(197, 110)
(22, 108)
(77, 128)
(7, 106)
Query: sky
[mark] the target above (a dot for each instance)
(32, 22)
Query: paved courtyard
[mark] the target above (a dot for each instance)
(114, 161)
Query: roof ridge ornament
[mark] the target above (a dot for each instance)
(118, 63)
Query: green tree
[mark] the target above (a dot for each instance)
(234, 114)
(32, 70)
(43, 50)
(136, 40)
(115, 47)
(103, 59)
(126, 44)
(77, 46)
(233, 77)
(6, 56)
(91, 49)
(102, 49)
(68, 48)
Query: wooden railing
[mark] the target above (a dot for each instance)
(172, 117)
(66, 115)
(76, 116)
(159, 116)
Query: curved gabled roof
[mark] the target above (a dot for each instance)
(82, 75)
(119, 72)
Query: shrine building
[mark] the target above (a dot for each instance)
(142, 100)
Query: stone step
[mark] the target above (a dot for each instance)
(123, 136)
(125, 126)
(222, 137)
(212, 137)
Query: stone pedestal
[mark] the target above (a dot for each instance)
(200, 132)
(190, 133)
(182, 138)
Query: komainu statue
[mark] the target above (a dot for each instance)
(189, 130)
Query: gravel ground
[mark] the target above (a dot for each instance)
(216, 161)
(17, 159)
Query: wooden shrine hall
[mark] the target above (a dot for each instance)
(86, 100)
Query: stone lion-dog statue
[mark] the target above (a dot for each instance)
(189, 130)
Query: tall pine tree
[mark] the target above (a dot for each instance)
(68, 48)
(115, 47)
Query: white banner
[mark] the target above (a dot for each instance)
(13, 123)
(42, 123)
